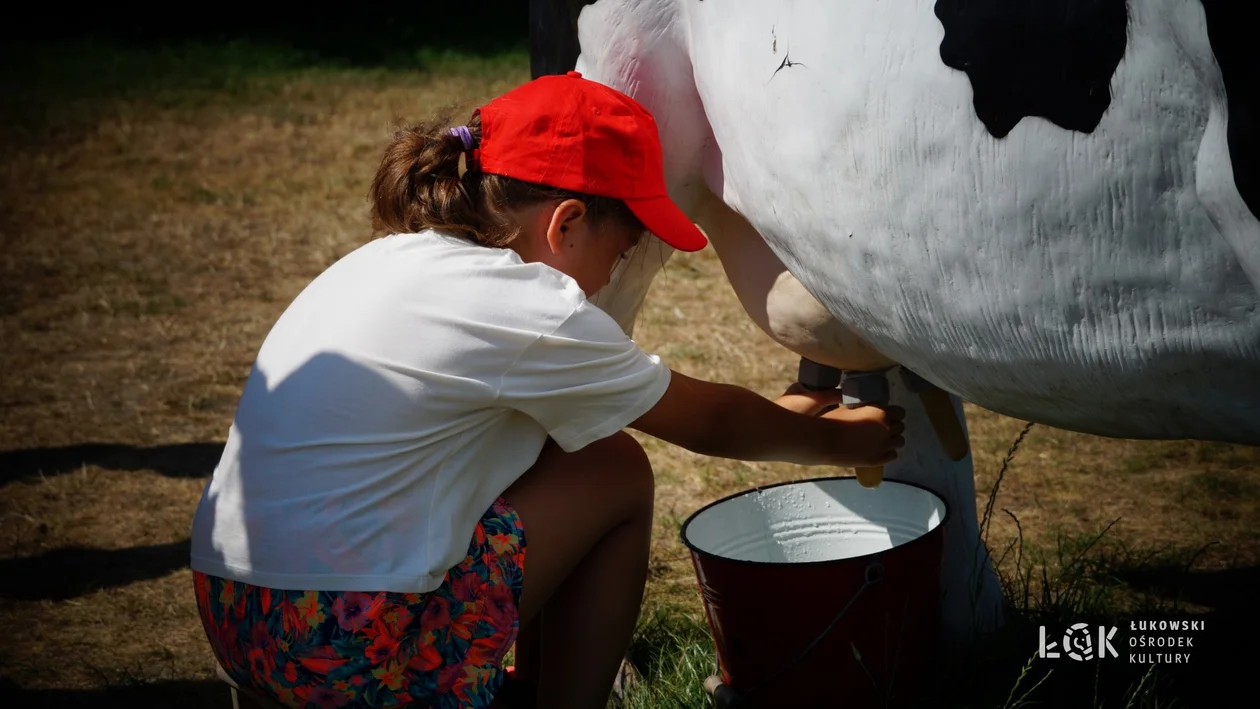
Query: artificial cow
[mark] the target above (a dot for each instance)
(1048, 208)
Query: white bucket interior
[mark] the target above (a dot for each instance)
(822, 520)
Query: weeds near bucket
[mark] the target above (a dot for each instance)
(1013, 702)
(674, 654)
(997, 483)
(982, 549)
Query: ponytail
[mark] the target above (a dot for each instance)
(418, 186)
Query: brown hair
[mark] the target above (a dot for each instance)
(418, 186)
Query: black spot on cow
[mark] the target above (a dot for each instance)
(1233, 44)
(1047, 58)
(787, 63)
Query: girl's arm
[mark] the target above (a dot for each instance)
(727, 421)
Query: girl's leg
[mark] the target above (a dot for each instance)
(587, 517)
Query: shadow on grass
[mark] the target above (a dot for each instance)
(184, 694)
(1094, 580)
(1167, 653)
(66, 573)
(176, 460)
(1222, 654)
(1229, 591)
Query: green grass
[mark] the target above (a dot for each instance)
(674, 654)
(83, 68)
(68, 85)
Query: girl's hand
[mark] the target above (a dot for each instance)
(810, 402)
(872, 434)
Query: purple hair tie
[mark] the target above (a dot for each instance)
(464, 135)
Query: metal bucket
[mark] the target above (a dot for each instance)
(821, 590)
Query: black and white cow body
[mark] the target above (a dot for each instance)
(1048, 207)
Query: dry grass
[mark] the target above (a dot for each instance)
(149, 243)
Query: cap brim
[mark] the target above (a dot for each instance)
(664, 219)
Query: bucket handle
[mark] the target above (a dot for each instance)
(873, 575)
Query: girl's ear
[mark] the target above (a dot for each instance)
(567, 220)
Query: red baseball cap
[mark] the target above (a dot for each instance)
(576, 134)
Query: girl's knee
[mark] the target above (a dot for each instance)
(612, 474)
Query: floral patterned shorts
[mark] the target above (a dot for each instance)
(442, 649)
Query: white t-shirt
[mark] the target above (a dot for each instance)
(399, 394)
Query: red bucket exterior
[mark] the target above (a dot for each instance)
(762, 615)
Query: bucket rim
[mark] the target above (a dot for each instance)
(682, 532)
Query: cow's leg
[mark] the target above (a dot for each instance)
(972, 602)
(791, 316)
(553, 36)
